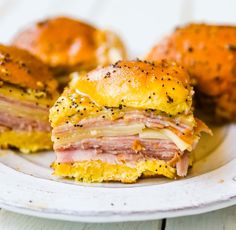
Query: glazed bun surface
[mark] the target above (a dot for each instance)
(18, 67)
(59, 41)
(70, 44)
(208, 52)
(162, 86)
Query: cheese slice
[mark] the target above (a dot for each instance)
(165, 134)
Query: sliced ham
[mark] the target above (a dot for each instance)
(21, 123)
(161, 149)
(73, 155)
(182, 165)
(156, 121)
(125, 143)
(70, 156)
(119, 150)
(16, 114)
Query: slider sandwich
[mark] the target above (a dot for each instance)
(125, 121)
(27, 91)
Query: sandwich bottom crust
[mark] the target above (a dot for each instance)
(26, 142)
(98, 171)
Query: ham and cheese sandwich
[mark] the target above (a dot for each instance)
(124, 121)
(27, 91)
(67, 45)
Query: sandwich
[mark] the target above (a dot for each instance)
(124, 121)
(27, 91)
(67, 45)
(208, 52)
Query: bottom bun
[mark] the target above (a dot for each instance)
(98, 171)
(25, 141)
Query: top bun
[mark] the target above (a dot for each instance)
(65, 43)
(18, 67)
(163, 86)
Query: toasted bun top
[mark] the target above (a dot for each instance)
(208, 52)
(64, 42)
(59, 41)
(163, 86)
(19, 67)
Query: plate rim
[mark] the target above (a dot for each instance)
(121, 217)
(215, 189)
(117, 215)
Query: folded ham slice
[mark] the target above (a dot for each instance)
(182, 165)
(132, 145)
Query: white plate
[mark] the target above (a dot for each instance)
(27, 186)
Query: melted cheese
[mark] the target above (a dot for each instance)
(166, 134)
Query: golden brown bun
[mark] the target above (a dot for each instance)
(65, 43)
(98, 171)
(19, 67)
(209, 54)
(163, 86)
(26, 141)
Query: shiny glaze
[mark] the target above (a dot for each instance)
(20, 68)
(209, 54)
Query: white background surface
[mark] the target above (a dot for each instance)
(140, 23)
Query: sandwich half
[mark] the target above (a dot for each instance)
(125, 121)
(27, 91)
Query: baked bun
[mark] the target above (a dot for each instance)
(163, 86)
(67, 45)
(27, 91)
(209, 54)
(19, 67)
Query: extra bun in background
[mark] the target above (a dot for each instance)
(208, 52)
(68, 45)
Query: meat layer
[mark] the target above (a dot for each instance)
(23, 115)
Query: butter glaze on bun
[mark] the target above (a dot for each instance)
(208, 52)
(18, 67)
(68, 44)
(163, 86)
